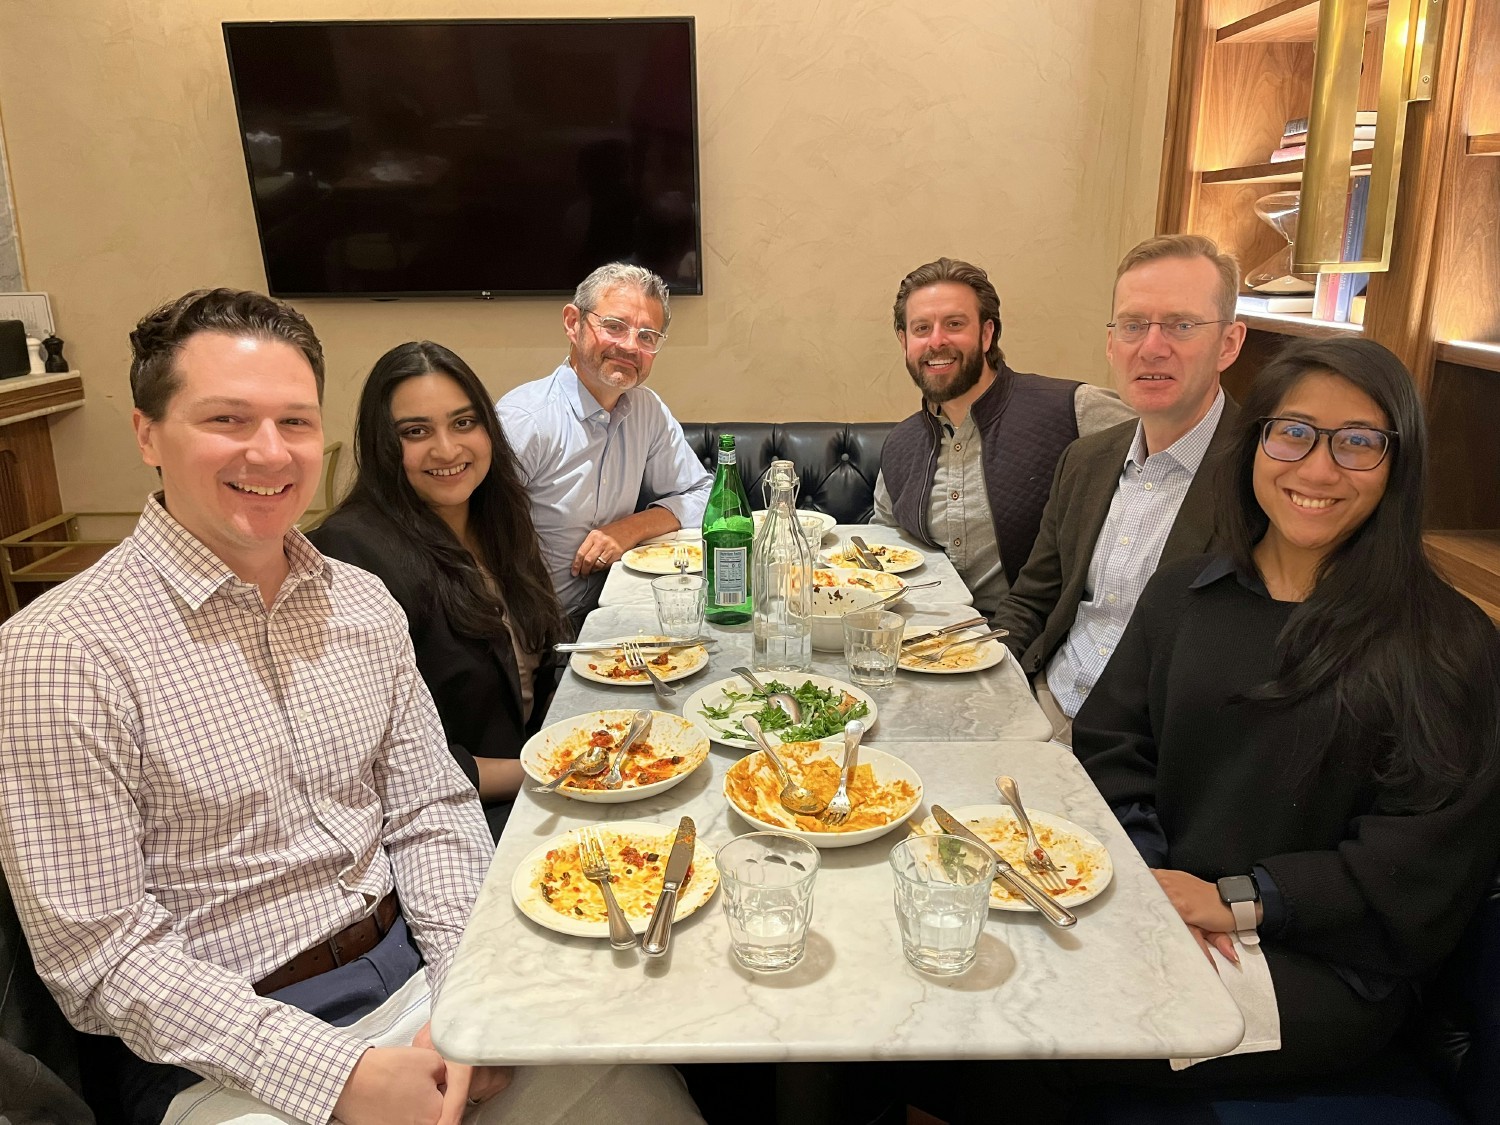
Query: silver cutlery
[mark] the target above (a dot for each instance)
(588, 764)
(956, 627)
(620, 642)
(596, 869)
(659, 929)
(635, 658)
(864, 553)
(681, 558)
(794, 798)
(1038, 862)
(838, 809)
(934, 657)
(1049, 908)
(787, 703)
(893, 596)
(640, 723)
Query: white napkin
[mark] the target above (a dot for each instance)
(1250, 986)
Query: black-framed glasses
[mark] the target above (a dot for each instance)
(616, 331)
(1134, 331)
(1359, 448)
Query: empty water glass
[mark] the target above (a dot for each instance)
(872, 645)
(768, 896)
(679, 603)
(942, 901)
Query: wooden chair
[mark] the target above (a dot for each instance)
(54, 550)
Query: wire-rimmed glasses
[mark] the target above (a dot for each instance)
(616, 331)
(1360, 448)
(1133, 331)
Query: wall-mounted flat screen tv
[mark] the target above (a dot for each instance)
(468, 157)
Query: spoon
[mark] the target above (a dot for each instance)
(590, 763)
(780, 699)
(794, 798)
(638, 725)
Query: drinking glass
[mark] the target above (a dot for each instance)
(679, 603)
(768, 897)
(872, 645)
(942, 900)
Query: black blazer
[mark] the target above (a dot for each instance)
(473, 681)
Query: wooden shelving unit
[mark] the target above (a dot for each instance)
(1241, 69)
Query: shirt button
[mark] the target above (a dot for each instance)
(957, 542)
(1110, 598)
(1149, 486)
(1124, 540)
(1103, 651)
(958, 447)
(953, 496)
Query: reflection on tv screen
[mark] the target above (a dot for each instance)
(468, 157)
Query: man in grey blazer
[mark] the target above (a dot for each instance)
(1137, 494)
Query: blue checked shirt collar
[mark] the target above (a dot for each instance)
(1187, 451)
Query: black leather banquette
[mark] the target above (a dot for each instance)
(837, 461)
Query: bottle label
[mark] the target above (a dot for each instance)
(726, 457)
(729, 575)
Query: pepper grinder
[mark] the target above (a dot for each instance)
(55, 362)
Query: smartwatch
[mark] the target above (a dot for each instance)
(1240, 894)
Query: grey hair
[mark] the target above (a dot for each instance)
(592, 288)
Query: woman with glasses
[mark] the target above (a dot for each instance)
(1301, 735)
(437, 511)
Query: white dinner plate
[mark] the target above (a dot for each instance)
(895, 558)
(770, 816)
(656, 558)
(596, 664)
(712, 695)
(551, 748)
(970, 658)
(635, 898)
(1070, 848)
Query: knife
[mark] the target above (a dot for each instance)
(659, 930)
(865, 555)
(956, 627)
(1050, 909)
(606, 646)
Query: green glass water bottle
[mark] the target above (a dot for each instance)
(728, 529)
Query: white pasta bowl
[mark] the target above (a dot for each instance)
(837, 592)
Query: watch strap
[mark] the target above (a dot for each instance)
(1244, 921)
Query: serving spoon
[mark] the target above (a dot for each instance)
(794, 798)
(787, 703)
(590, 763)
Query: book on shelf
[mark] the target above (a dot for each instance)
(1255, 302)
(1299, 124)
(1333, 299)
(1361, 133)
(1299, 150)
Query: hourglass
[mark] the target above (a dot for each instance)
(1279, 211)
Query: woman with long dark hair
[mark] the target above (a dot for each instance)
(438, 512)
(1301, 735)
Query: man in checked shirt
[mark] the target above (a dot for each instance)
(220, 769)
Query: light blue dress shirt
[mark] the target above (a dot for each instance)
(1141, 515)
(585, 467)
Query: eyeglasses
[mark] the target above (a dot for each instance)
(1360, 448)
(1134, 331)
(618, 332)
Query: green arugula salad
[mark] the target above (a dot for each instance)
(824, 712)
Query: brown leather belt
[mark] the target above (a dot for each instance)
(349, 944)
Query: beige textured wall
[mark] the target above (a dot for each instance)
(841, 145)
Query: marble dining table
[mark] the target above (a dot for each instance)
(1127, 981)
(624, 586)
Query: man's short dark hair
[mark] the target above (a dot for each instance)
(161, 334)
(953, 269)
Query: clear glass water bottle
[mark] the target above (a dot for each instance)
(781, 578)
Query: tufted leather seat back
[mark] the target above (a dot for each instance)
(837, 461)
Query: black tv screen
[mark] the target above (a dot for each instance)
(468, 157)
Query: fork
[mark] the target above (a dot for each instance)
(681, 558)
(838, 809)
(1047, 873)
(934, 657)
(596, 869)
(635, 658)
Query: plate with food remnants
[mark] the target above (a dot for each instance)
(550, 888)
(668, 750)
(893, 558)
(882, 795)
(959, 658)
(827, 704)
(607, 665)
(1086, 866)
(661, 558)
